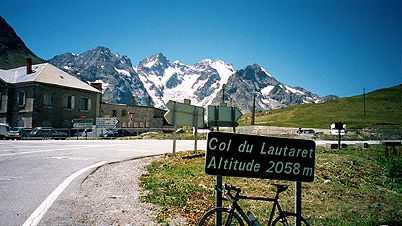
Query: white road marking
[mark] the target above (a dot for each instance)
(38, 214)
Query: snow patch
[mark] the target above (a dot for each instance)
(266, 72)
(293, 90)
(150, 64)
(122, 71)
(267, 90)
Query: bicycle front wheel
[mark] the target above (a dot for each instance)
(221, 217)
(289, 219)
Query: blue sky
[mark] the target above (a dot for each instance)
(328, 47)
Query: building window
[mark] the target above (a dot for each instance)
(85, 104)
(21, 98)
(114, 113)
(48, 99)
(68, 101)
(124, 112)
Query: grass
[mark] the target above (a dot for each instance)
(376, 109)
(353, 186)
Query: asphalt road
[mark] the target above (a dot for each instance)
(32, 173)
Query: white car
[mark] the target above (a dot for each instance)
(4, 131)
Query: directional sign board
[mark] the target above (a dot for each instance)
(240, 155)
(223, 116)
(186, 114)
(82, 123)
(107, 122)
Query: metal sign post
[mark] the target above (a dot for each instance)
(107, 122)
(339, 126)
(82, 123)
(174, 127)
(298, 202)
(240, 155)
(183, 114)
(223, 116)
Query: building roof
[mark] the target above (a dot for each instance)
(44, 73)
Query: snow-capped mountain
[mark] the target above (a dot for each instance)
(269, 92)
(119, 80)
(166, 81)
(204, 83)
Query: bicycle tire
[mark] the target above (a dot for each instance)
(228, 218)
(288, 219)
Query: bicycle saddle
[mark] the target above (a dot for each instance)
(281, 187)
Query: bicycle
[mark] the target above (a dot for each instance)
(234, 215)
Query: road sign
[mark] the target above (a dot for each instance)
(82, 123)
(107, 122)
(186, 114)
(223, 116)
(240, 155)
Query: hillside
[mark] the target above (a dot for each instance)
(13, 51)
(382, 108)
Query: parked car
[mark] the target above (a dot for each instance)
(305, 131)
(19, 132)
(115, 133)
(47, 133)
(4, 131)
(84, 133)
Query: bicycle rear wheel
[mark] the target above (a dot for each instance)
(288, 219)
(228, 218)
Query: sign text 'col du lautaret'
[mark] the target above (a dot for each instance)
(242, 155)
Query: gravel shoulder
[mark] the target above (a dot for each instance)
(107, 196)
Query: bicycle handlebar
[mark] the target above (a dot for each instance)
(229, 188)
(280, 188)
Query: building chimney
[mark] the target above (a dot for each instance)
(133, 100)
(29, 66)
(149, 101)
(96, 85)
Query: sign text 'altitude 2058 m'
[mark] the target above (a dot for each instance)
(240, 155)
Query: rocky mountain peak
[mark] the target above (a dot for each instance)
(202, 82)
(119, 80)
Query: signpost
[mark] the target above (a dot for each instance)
(82, 123)
(184, 114)
(189, 115)
(223, 116)
(340, 126)
(107, 122)
(240, 155)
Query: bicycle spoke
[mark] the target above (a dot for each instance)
(289, 220)
(220, 217)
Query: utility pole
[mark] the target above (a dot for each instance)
(364, 101)
(223, 93)
(253, 111)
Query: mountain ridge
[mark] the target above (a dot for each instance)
(156, 76)
(119, 80)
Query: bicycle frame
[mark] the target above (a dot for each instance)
(236, 206)
(275, 206)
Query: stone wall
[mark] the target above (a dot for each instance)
(132, 116)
